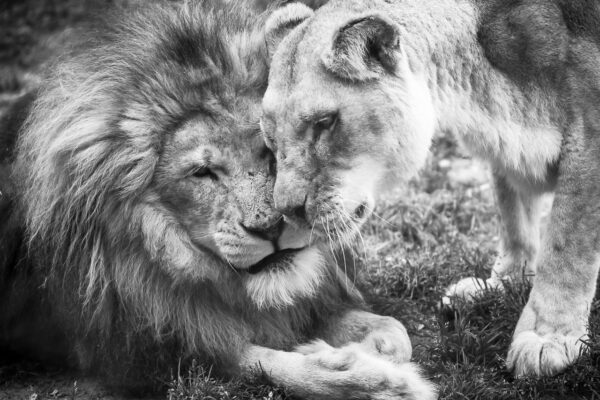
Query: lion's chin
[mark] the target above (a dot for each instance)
(279, 259)
(293, 275)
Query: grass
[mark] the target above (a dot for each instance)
(441, 228)
(198, 384)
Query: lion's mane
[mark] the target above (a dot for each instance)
(99, 250)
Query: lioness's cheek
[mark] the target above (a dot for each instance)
(359, 185)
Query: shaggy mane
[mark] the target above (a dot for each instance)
(90, 146)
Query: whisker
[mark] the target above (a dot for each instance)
(342, 248)
(312, 229)
(231, 265)
(353, 227)
(330, 241)
(372, 210)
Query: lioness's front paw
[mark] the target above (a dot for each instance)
(532, 354)
(469, 289)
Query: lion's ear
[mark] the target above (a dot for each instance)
(282, 21)
(364, 48)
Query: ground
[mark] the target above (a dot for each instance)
(440, 228)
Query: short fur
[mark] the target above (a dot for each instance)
(139, 198)
(517, 81)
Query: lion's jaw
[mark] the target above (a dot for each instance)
(383, 134)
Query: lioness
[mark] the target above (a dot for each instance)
(144, 189)
(358, 88)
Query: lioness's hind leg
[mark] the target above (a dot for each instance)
(520, 231)
(519, 240)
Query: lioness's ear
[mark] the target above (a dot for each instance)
(282, 21)
(364, 48)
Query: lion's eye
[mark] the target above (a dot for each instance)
(325, 124)
(205, 172)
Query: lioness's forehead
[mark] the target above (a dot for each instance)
(297, 62)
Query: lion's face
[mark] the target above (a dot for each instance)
(215, 177)
(342, 118)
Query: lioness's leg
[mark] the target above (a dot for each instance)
(547, 336)
(337, 374)
(378, 335)
(520, 232)
(519, 239)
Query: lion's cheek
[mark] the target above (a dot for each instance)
(281, 287)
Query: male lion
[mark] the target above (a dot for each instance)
(138, 226)
(358, 88)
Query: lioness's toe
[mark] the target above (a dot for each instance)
(531, 354)
(466, 288)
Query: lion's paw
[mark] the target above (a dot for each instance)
(468, 289)
(393, 345)
(532, 354)
(315, 346)
(351, 370)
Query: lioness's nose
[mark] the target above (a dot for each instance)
(294, 210)
(270, 232)
(292, 205)
(290, 194)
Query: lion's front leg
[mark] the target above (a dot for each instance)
(337, 374)
(519, 240)
(548, 335)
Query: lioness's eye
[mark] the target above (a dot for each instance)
(205, 172)
(326, 123)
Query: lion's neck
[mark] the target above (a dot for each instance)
(489, 113)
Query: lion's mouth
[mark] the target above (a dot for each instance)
(273, 260)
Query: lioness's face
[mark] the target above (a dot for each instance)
(331, 151)
(342, 125)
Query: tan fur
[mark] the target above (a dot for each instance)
(146, 192)
(516, 82)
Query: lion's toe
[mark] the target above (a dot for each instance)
(315, 346)
(394, 346)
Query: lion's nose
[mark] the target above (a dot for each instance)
(267, 231)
